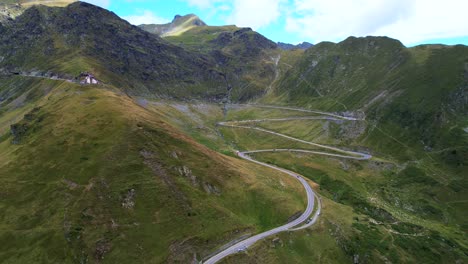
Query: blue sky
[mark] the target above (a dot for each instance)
(411, 21)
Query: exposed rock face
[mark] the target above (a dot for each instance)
(151, 160)
(186, 172)
(287, 46)
(8, 12)
(20, 129)
(102, 247)
(128, 56)
(129, 199)
(211, 189)
(179, 22)
(252, 42)
(196, 182)
(195, 20)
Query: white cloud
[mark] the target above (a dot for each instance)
(244, 13)
(255, 13)
(203, 4)
(145, 17)
(101, 3)
(410, 21)
(431, 19)
(224, 8)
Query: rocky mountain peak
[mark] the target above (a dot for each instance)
(178, 25)
(192, 18)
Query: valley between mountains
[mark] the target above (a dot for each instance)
(193, 143)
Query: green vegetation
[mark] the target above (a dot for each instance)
(413, 97)
(137, 169)
(94, 176)
(398, 214)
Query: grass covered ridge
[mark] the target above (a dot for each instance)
(98, 178)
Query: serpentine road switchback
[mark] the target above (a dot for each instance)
(306, 217)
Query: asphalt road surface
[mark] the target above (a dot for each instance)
(305, 219)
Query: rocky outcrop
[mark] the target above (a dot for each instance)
(244, 42)
(287, 46)
(20, 129)
(196, 182)
(178, 23)
(43, 38)
(187, 173)
(129, 199)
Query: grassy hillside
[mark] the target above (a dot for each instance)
(377, 210)
(137, 169)
(88, 175)
(414, 98)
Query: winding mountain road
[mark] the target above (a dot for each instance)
(311, 196)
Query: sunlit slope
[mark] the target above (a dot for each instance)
(95, 177)
(27, 3)
(179, 25)
(414, 98)
(10, 9)
(377, 209)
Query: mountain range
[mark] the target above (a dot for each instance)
(136, 168)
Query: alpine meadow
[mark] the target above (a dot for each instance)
(189, 143)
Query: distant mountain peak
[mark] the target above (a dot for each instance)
(191, 19)
(287, 46)
(179, 25)
(194, 18)
(11, 9)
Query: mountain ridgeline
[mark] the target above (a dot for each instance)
(178, 26)
(82, 37)
(419, 93)
(134, 166)
(287, 46)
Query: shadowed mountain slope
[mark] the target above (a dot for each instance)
(246, 57)
(83, 37)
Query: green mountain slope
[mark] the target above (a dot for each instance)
(247, 58)
(383, 208)
(418, 94)
(136, 169)
(86, 38)
(89, 175)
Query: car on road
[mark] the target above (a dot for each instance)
(241, 249)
